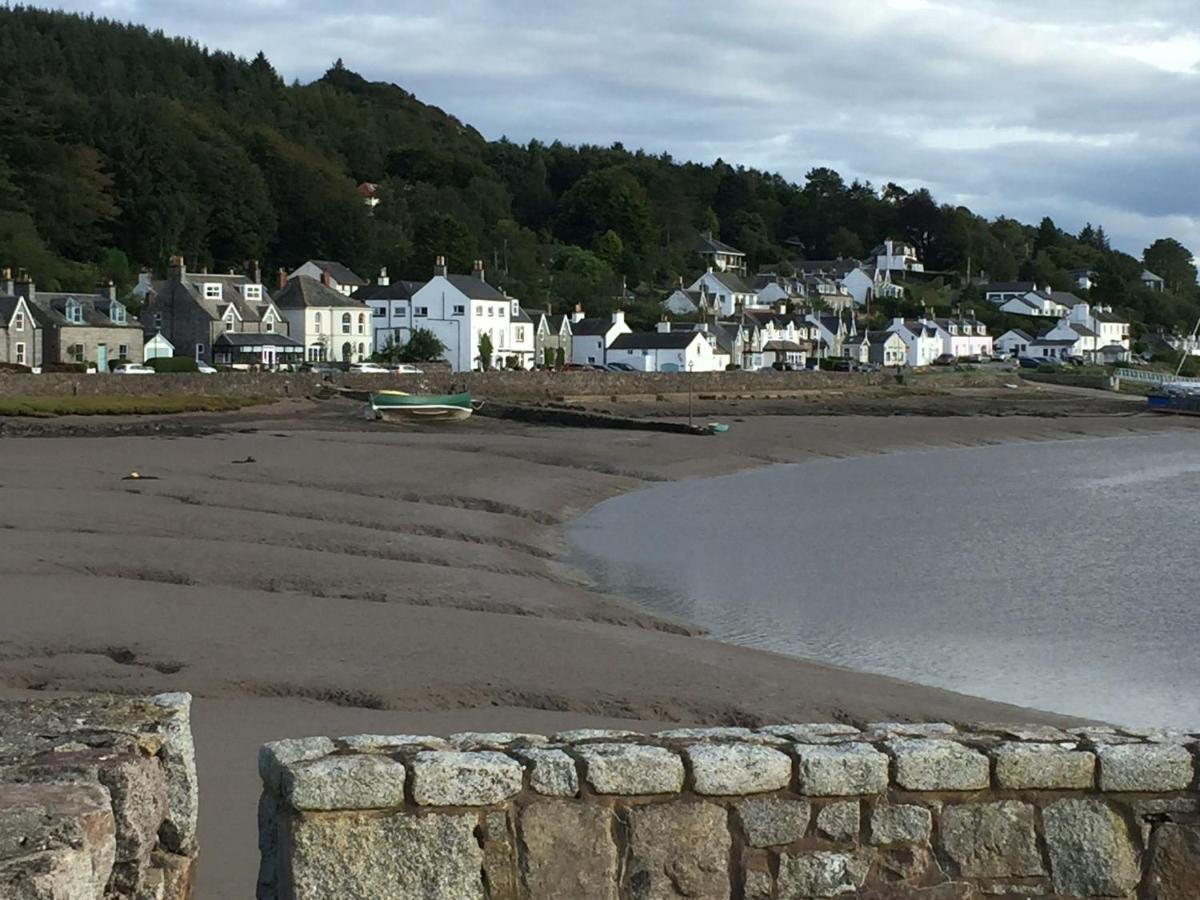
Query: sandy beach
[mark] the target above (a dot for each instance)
(302, 571)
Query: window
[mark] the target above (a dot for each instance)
(158, 320)
(362, 325)
(460, 310)
(76, 352)
(19, 322)
(116, 312)
(229, 324)
(345, 323)
(212, 291)
(269, 325)
(420, 311)
(380, 312)
(500, 312)
(122, 351)
(478, 310)
(521, 334)
(516, 309)
(491, 312)
(362, 350)
(20, 360)
(317, 320)
(252, 292)
(74, 313)
(401, 311)
(199, 351)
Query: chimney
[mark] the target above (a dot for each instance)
(255, 273)
(6, 282)
(663, 326)
(325, 278)
(439, 267)
(107, 289)
(176, 270)
(477, 270)
(383, 280)
(282, 278)
(24, 286)
(577, 314)
(618, 317)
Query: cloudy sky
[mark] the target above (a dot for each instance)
(1084, 110)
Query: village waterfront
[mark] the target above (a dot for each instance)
(1058, 575)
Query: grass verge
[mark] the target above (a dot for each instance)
(123, 405)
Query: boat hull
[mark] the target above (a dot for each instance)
(1180, 405)
(396, 406)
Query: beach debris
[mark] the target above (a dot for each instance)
(135, 475)
(242, 462)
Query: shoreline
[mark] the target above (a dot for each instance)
(359, 579)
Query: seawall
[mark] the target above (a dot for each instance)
(891, 812)
(527, 386)
(98, 799)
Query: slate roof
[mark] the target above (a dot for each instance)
(706, 243)
(1082, 330)
(50, 311)
(302, 291)
(339, 273)
(521, 316)
(594, 326)
(245, 339)
(733, 281)
(396, 290)
(8, 306)
(475, 288)
(782, 345)
(231, 295)
(1147, 275)
(1108, 317)
(655, 340)
(1019, 333)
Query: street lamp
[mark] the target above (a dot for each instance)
(691, 366)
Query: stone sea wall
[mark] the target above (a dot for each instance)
(98, 799)
(528, 386)
(892, 812)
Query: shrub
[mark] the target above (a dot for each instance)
(172, 364)
(1048, 370)
(65, 367)
(15, 369)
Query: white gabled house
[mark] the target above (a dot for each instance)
(962, 336)
(331, 326)
(460, 309)
(921, 340)
(522, 338)
(897, 256)
(729, 290)
(1013, 342)
(591, 337)
(339, 277)
(1043, 303)
(667, 351)
(391, 310)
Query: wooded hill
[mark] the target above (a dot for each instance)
(120, 147)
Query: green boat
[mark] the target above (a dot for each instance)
(398, 405)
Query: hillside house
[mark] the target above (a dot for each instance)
(730, 291)
(1000, 292)
(685, 302)
(330, 325)
(591, 337)
(226, 319)
(1041, 303)
(719, 256)
(1154, 282)
(897, 256)
(341, 278)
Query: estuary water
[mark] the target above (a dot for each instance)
(1060, 575)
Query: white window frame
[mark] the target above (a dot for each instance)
(252, 291)
(19, 321)
(212, 291)
(19, 351)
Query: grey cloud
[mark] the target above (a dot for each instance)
(1018, 106)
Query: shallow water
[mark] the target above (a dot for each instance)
(1059, 575)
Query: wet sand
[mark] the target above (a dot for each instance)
(304, 572)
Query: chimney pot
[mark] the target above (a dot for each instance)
(326, 278)
(283, 279)
(439, 267)
(383, 279)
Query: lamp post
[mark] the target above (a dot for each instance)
(691, 366)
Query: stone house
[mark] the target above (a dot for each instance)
(208, 317)
(331, 326)
(551, 333)
(20, 332)
(86, 328)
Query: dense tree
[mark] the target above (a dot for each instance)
(1172, 262)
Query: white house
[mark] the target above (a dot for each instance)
(460, 309)
(391, 309)
(1152, 281)
(1013, 342)
(887, 349)
(732, 294)
(330, 325)
(591, 337)
(963, 336)
(667, 351)
(522, 333)
(1046, 304)
(684, 302)
(897, 256)
(1085, 279)
(1000, 292)
(921, 340)
(1110, 330)
(720, 256)
(341, 278)
(1043, 347)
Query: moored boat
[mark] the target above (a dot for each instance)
(1181, 398)
(398, 405)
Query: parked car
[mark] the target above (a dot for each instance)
(783, 367)
(946, 359)
(975, 358)
(1029, 362)
(1077, 360)
(204, 368)
(368, 368)
(132, 369)
(319, 368)
(839, 365)
(620, 367)
(576, 367)
(406, 369)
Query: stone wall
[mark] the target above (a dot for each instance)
(893, 812)
(98, 799)
(529, 386)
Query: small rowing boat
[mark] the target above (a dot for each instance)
(399, 406)
(1181, 398)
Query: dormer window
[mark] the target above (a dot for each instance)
(74, 312)
(19, 321)
(212, 291)
(116, 312)
(516, 309)
(252, 292)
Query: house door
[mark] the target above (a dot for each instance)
(102, 358)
